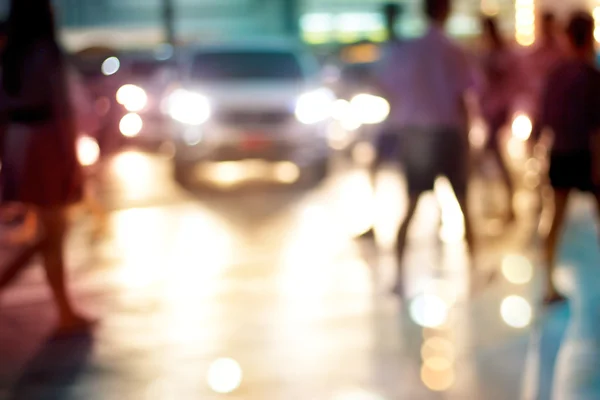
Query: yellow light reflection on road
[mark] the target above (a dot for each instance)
(134, 173)
(437, 380)
(516, 312)
(224, 376)
(429, 311)
(436, 347)
(516, 148)
(517, 269)
(138, 242)
(286, 172)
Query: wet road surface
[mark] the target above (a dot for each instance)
(266, 294)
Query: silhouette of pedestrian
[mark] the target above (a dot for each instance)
(427, 82)
(569, 111)
(40, 166)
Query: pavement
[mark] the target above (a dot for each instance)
(266, 294)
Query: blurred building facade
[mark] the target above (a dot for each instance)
(123, 22)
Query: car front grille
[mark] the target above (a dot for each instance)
(239, 117)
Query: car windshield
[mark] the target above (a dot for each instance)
(145, 69)
(246, 65)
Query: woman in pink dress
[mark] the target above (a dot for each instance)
(39, 162)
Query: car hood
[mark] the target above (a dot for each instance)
(251, 96)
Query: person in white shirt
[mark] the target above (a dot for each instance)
(427, 82)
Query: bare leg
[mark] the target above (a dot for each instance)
(561, 197)
(469, 233)
(402, 236)
(507, 180)
(52, 251)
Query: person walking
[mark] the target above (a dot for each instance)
(39, 162)
(386, 141)
(501, 83)
(427, 81)
(569, 111)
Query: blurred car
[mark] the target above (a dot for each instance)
(250, 110)
(359, 110)
(90, 64)
(128, 89)
(145, 78)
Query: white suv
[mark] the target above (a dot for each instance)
(250, 105)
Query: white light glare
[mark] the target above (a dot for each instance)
(132, 97)
(131, 125)
(188, 107)
(370, 109)
(88, 151)
(314, 107)
(522, 127)
(224, 376)
(429, 311)
(516, 312)
(111, 66)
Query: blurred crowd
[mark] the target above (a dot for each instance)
(435, 89)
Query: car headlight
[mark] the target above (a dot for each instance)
(131, 125)
(88, 151)
(522, 127)
(369, 109)
(132, 97)
(188, 107)
(314, 107)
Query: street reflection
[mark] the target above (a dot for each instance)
(516, 312)
(224, 376)
(134, 173)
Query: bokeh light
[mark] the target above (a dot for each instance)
(437, 375)
(132, 97)
(111, 66)
(517, 269)
(516, 312)
(370, 109)
(286, 172)
(88, 151)
(131, 125)
(429, 311)
(224, 375)
(522, 127)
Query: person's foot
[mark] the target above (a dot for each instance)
(552, 297)
(74, 325)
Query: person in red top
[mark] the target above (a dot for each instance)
(40, 169)
(570, 112)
